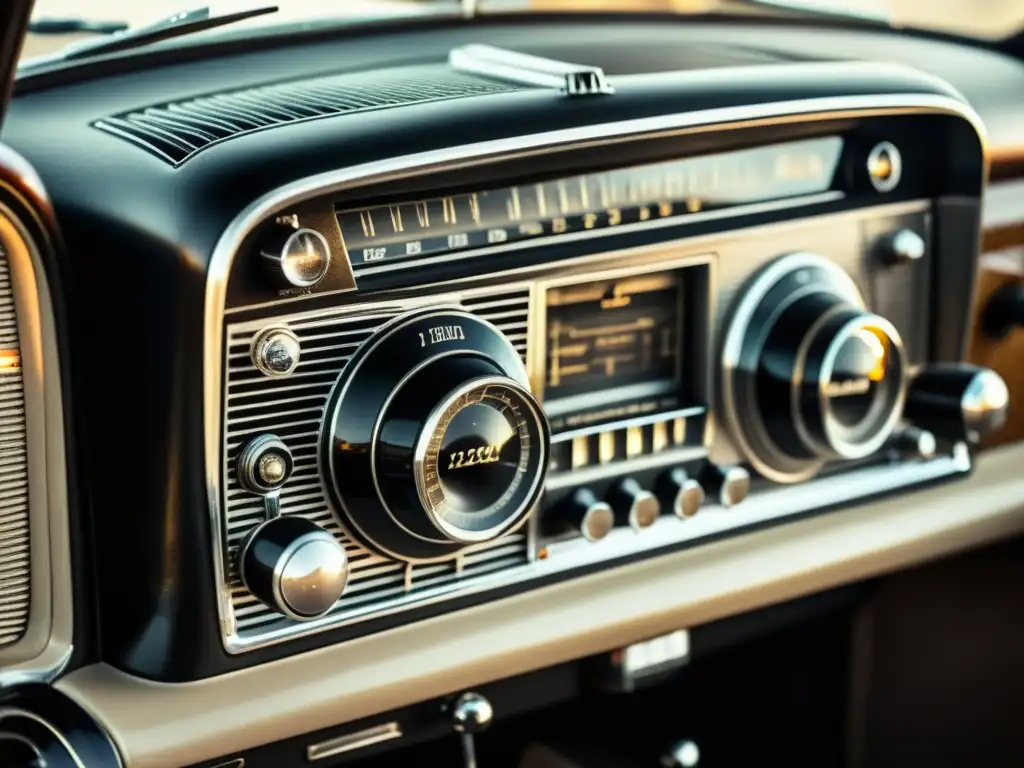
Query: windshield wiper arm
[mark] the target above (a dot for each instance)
(177, 25)
(70, 26)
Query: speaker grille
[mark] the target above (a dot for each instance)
(292, 408)
(14, 522)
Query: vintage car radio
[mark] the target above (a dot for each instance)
(446, 395)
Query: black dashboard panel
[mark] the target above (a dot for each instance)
(186, 243)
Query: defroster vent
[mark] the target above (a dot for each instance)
(14, 522)
(292, 408)
(178, 130)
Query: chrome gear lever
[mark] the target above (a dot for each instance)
(471, 714)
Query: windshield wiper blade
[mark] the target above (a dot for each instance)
(177, 25)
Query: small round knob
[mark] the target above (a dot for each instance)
(264, 464)
(294, 566)
(916, 443)
(1004, 311)
(683, 754)
(295, 258)
(471, 714)
(958, 401)
(728, 485)
(275, 352)
(680, 493)
(904, 246)
(586, 513)
(633, 505)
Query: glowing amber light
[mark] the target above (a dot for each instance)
(877, 342)
(881, 166)
(10, 360)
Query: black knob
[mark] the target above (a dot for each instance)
(295, 258)
(294, 566)
(587, 514)
(809, 375)
(433, 440)
(958, 401)
(831, 379)
(727, 485)
(1004, 311)
(680, 493)
(633, 504)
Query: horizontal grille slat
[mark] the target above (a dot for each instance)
(176, 131)
(15, 556)
(293, 407)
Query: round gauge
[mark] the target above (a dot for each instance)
(475, 458)
(433, 440)
(809, 375)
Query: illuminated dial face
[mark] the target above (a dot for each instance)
(478, 464)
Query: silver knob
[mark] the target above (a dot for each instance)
(276, 352)
(684, 754)
(727, 485)
(680, 493)
(263, 467)
(471, 714)
(634, 505)
(586, 513)
(294, 566)
(916, 443)
(903, 246)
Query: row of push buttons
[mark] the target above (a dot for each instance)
(623, 443)
(629, 504)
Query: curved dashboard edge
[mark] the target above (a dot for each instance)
(159, 724)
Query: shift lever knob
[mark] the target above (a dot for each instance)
(471, 714)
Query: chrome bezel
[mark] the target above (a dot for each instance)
(446, 528)
(895, 165)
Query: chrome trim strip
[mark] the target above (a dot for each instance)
(353, 741)
(453, 158)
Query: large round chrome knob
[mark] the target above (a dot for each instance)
(294, 566)
(433, 440)
(809, 374)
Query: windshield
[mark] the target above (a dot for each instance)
(1001, 18)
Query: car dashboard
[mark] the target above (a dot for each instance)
(401, 362)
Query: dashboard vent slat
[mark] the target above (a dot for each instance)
(292, 408)
(178, 130)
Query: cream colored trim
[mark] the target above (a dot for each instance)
(46, 646)
(158, 724)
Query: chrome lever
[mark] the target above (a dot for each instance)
(470, 714)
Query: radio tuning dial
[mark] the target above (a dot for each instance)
(809, 374)
(433, 440)
(295, 257)
(680, 493)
